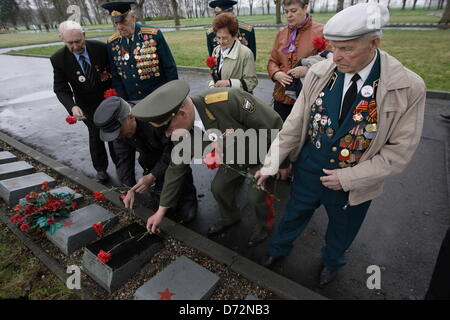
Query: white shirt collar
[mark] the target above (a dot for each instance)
(198, 121)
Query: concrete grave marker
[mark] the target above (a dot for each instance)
(12, 190)
(15, 169)
(127, 259)
(77, 228)
(183, 279)
(6, 157)
(78, 197)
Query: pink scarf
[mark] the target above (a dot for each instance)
(290, 45)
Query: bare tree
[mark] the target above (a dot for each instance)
(445, 20)
(139, 9)
(340, 5)
(238, 9)
(268, 6)
(403, 4)
(262, 6)
(175, 12)
(250, 5)
(277, 11)
(414, 4)
(441, 4)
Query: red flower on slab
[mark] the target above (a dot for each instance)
(98, 196)
(74, 205)
(44, 186)
(98, 227)
(53, 204)
(71, 120)
(16, 219)
(166, 295)
(110, 93)
(25, 227)
(104, 256)
(319, 43)
(211, 62)
(50, 222)
(18, 207)
(212, 160)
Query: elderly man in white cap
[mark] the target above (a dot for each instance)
(357, 121)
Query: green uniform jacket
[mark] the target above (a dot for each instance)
(240, 110)
(246, 36)
(143, 67)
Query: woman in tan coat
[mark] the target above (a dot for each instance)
(292, 43)
(235, 66)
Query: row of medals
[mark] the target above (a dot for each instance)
(147, 60)
(354, 143)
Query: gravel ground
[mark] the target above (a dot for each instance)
(232, 286)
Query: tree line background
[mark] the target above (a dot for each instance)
(47, 14)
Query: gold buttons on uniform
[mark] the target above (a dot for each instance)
(334, 149)
(139, 92)
(332, 161)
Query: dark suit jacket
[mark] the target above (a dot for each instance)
(66, 72)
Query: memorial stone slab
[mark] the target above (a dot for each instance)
(126, 259)
(15, 169)
(12, 190)
(77, 228)
(6, 157)
(183, 279)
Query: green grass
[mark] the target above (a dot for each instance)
(22, 39)
(23, 275)
(425, 51)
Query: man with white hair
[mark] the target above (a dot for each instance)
(81, 75)
(357, 121)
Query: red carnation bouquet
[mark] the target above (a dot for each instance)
(110, 93)
(71, 120)
(42, 210)
(211, 62)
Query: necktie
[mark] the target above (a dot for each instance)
(87, 71)
(349, 98)
(130, 42)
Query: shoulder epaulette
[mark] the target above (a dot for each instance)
(216, 97)
(148, 30)
(209, 31)
(114, 37)
(245, 26)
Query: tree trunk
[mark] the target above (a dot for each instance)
(277, 11)
(340, 5)
(139, 8)
(414, 5)
(175, 12)
(404, 4)
(262, 6)
(250, 5)
(446, 15)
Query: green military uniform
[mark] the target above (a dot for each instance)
(143, 66)
(246, 36)
(222, 112)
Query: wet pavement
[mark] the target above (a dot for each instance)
(402, 232)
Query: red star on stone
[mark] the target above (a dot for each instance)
(13, 183)
(166, 295)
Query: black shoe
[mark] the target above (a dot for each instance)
(270, 261)
(102, 176)
(327, 275)
(258, 237)
(219, 226)
(445, 116)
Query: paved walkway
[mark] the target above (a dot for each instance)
(402, 232)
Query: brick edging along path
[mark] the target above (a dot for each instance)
(281, 286)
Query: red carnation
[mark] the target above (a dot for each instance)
(44, 186)
(319, 43)
(71, 120)
(29, 210)
(74, 205)
(25, 227)
(98, 227)
(52, 204)
(50, 222)
(104, 256)
(16, 219)
(18, 207)
(212, 160)
(122, 196)
(211, 62)
(110, 93)
(98, 196)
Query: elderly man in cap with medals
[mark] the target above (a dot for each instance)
(246, 33)
(140, 62)
(211, 119)
(115, 122)
(80, 77)
(357, 121)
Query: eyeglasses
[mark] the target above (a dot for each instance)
(223, 39)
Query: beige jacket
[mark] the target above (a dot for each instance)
(401, 106)
(238, 65)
